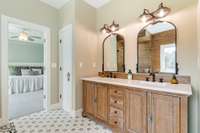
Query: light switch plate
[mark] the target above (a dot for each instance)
(53, 65)
(81, 64)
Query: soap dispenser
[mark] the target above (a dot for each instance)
(174, 80)
(130, 74)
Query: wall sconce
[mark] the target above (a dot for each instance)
(161, 12)
(110, 29)
(146, 16)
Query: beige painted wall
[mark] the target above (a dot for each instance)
(39, 13)
(184, 16)
(86, 46)
(84, 43)
(67, 14)
(198, 36)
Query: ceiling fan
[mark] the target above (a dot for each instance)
(24, 36)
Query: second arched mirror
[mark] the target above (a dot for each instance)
(157, 48)
(114, 53)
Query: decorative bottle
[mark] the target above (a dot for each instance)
(130, 74)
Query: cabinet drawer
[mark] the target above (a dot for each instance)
(116, 91)
(114, 112)
(117, 102)
(116, 122)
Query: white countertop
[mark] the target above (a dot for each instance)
(182, 89)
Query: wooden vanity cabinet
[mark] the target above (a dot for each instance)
(116, 108)
(136, 111)
(132, 110)
(89, 98)
(165, 113)
(101, 94)
(95, 100)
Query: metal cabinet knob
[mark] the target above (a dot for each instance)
(68, 76)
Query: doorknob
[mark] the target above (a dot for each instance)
(68, 76)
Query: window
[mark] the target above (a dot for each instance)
(168, 58)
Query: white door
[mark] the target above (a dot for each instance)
(65, 52)
(45, 73)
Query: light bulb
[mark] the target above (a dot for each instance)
(23, 36)
(145, 16)
(161, 13)
(144, 19)
(113, 28)
(104, 31)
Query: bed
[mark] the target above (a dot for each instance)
(25, 83)
(25, 80)
(25, 91)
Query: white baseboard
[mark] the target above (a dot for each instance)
(73, 112)
(76, 112)
(79, 112)
(55, 106)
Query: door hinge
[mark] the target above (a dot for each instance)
(60, 41)
(60, 68)
(60, 96)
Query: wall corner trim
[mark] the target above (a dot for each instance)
(3, 122)
(54, 106)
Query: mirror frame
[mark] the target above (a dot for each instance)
(175, 28)
(103, 52)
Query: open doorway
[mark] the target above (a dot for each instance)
(25, 68)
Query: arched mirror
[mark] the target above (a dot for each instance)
(113, 53)
(157, 48)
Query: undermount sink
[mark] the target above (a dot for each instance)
(153, 84)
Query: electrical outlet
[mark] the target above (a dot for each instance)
(94, 65)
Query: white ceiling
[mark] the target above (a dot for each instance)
(56, 3)
(159, 27)
(60, 3)
(97, 3)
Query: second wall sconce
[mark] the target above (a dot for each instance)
(110, 29)
(161, 12)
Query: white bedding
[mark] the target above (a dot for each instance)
(25, 104)
(25, 84)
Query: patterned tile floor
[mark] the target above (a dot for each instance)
(57, 121)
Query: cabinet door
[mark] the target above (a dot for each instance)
(165, 114)
(102, 102)
(89, 96)
(136, 111)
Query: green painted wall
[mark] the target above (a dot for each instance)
(25, 52)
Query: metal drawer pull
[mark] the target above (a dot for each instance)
(116, 91)
(115, 101)
(116, 112)
(150, 118)
(115, 122)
